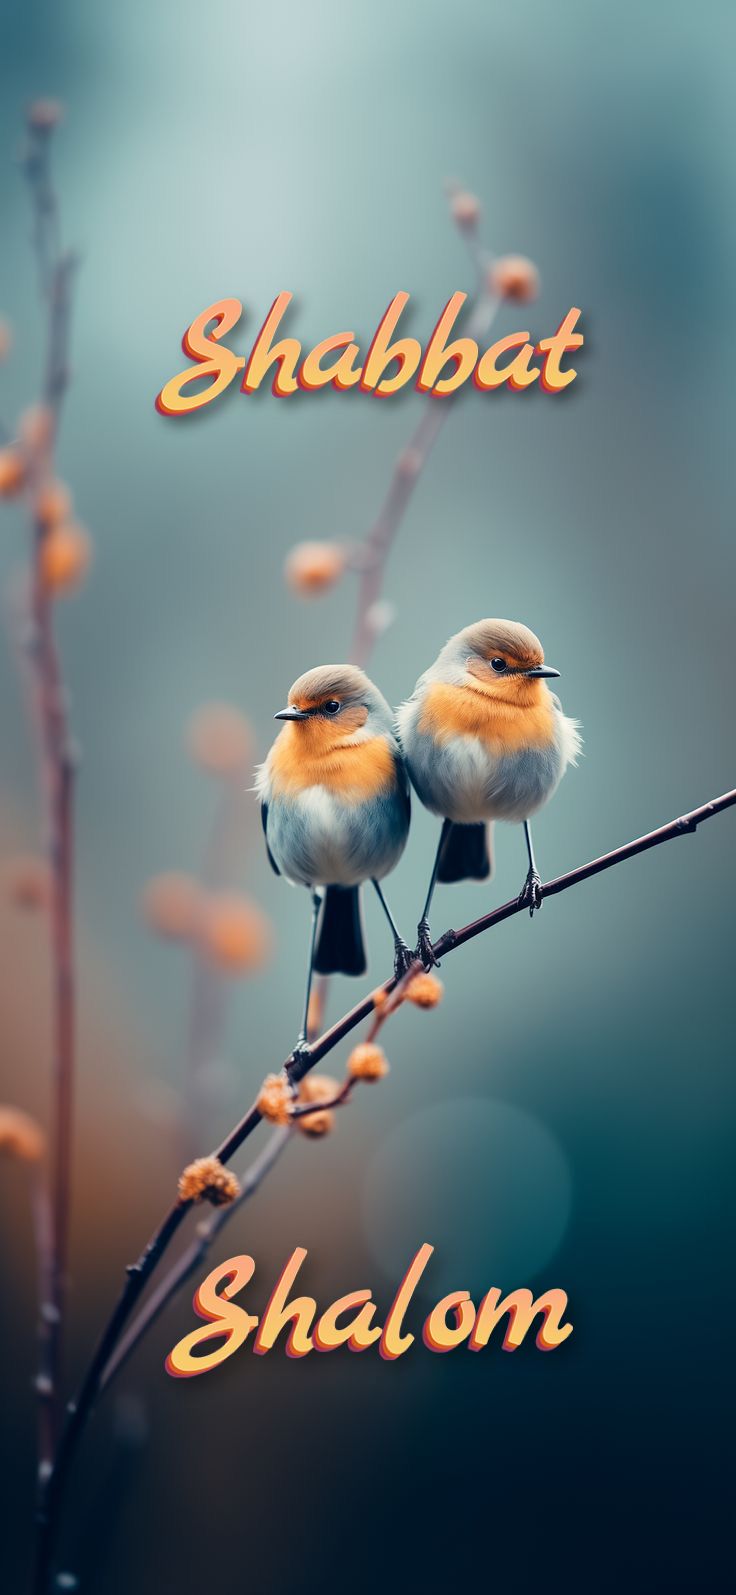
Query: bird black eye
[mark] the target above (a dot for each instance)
(331, 706)
(498, 665)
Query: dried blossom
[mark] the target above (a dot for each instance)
(64, 558)
(28, 881)
(312, 568)
(425, 990)
(465, 208)
(274, 1099)
(234, 933)
(12, 473)
(317, 1088)
(368, 1062)
(514, 277)
(207, 1180)
(36, 428)
(53, 504)
(44, 115)
(219, 739)
(20, 1136)
(172, 906)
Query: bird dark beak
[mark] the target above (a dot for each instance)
(291, 713)
(541, 670)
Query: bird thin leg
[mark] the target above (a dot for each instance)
(301, 1043)
(402, 955)
(531, 895)
(424, 944)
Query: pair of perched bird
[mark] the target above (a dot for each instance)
(481, 738)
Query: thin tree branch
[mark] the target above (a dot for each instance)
(295, 1069)
(190, 1260)
(57, 773)
(375, 550)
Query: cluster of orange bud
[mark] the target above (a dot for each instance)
(234, 933)
(65, 555)
(219, 739)
(317, 1088)
(28, 881)
(227, 928)
(367, 1062)
(207, 1180)
(21, 1137)
(12, 472)
(465, 208)
(43, 116)
(274, 1099)
(312, 568)
(172, 905)
(36, 429)
(424, 990)
(514, 277)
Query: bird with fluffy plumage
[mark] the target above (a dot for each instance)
(335, 807)
(484, 739)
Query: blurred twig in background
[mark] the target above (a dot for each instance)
(226, 933)
(59, 558)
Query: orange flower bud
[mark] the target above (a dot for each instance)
(172, 906)
(20, 1136)
(36, 428)
(368, 1062)
(317, 1088)
(219, 738)
(514, 277)
(6, 340)
(28, 882)
(234, 933)
(425, 990)
(207, 1180)
(53, 503)
(311, 568)
(12, 473)
(465, 208)
(44, 115)
(274, 1099)
(65, 555)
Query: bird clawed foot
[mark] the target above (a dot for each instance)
(531, 895)
(403, 959)
(425, 950)
(301, 1050)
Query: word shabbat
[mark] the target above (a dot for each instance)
(454, 1320)
(440, 369)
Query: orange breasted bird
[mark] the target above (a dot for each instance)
(484, 739)
(335, 807)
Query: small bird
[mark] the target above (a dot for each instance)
(335, 806)
(484, 739)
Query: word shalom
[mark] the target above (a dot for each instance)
(390, 364)
(453, 1322)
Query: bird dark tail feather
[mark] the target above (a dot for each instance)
(466, 855)
(340, 949)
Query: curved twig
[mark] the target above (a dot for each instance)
(296, 1068)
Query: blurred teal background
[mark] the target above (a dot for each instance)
(241, 150)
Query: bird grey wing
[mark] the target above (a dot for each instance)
(264, 823)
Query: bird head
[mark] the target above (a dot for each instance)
(334, 706)
(500, 658)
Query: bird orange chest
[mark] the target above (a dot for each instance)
(355, 771)
(502, 726)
